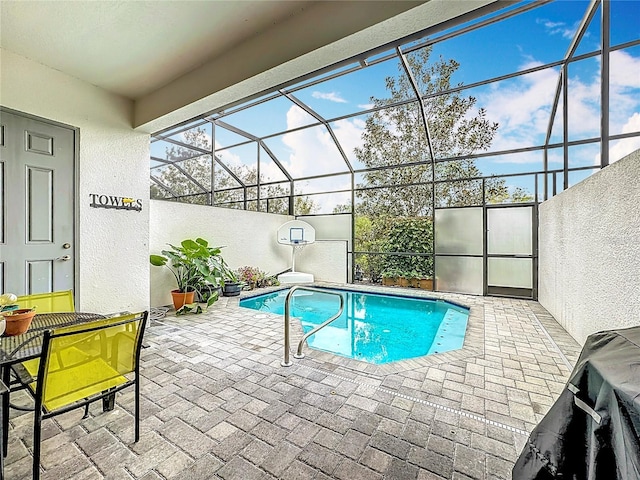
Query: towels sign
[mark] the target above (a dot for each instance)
(119, 203)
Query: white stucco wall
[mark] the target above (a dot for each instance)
(328, 258)
(325, 259)
(112, 252)
(589, 245)
(249, 238)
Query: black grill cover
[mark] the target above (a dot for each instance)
(593, 429)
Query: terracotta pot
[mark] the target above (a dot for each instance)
(182, 298)
(19, 322)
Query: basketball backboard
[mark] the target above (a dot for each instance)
(296, 232)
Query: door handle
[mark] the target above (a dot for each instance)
(64, 258)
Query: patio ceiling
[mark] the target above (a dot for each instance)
(133, 48)
(148, 51)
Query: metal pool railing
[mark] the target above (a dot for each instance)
(286, 362)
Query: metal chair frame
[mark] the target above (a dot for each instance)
(41, 413)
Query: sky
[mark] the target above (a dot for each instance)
(521, 106)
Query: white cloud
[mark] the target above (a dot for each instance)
(624, 90)
(624, 70)
(584, 107)
(349, 133)
(312, 151)
(229, 159)
(624, 147)
(561, 28)
(268, 169)
(331, 96)
(522, 106)
(366, 106)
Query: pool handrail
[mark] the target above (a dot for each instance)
(286, 362)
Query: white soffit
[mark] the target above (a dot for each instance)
(215, 84)
(180, 58)
(132, 47)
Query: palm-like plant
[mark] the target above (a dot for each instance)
(196, 266)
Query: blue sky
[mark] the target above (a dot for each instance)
(521, 106)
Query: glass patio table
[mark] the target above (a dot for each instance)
(28, 345)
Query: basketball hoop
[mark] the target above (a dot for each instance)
(297, 246)
(297, 234)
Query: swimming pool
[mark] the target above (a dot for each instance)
(374, 328)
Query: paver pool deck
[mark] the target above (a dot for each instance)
(216, 403)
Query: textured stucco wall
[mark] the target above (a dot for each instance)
(589, 270)
(249, 238)
(113, 159)
(326, 259)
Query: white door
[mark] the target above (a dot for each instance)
(36, 205)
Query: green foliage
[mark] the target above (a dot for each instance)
(228, 275)
(190, 308)
(395, 135)
(413, 235)
(190, 175)
(195, 266)
(253, 277)
(519, 195)
(190, 178)
(398, 193)
(370, 237)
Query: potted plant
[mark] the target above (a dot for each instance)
(231, 284)
(197, 269)
(253, 277)
(14, 320)
(250, 276)
(391, 277)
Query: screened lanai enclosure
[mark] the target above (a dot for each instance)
(430, 154)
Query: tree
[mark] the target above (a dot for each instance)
(519, 195)
(398, 192)
(395, 135)
(227, 190)
(187, 163)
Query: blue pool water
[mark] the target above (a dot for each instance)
(374, 328)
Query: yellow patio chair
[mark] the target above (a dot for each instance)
(85, 363)
(61, 301)
(51, 302)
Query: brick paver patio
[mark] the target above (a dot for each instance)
(217, 404)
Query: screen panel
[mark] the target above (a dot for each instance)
(509, 231)
(459, 274)
(459, 231)
(2, 204)
(510, 272)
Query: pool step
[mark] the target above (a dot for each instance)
(451, 333)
